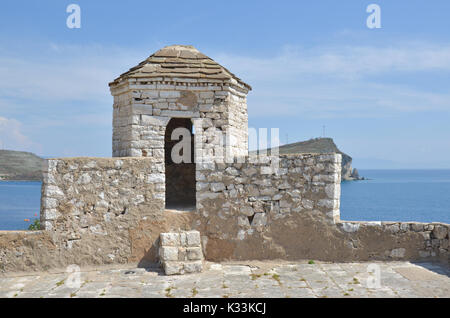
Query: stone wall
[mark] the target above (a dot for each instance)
(253, 211)
(28, 251)
(241, 206)
(396, 240)
(83, 196)
(94, 211)
(111, 210)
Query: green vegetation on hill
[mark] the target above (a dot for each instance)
(19, 165)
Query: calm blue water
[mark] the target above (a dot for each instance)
(390, 195)
(19, 200)
(397, 195)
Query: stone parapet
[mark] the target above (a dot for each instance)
(399, 240)
(93, 211)
(244, 206)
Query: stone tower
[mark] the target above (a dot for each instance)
(176, 82)
(178, 86)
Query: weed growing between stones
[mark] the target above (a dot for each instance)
(168, 290)
(277, 278)
(255, 276)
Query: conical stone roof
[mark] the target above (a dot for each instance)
(181, 61)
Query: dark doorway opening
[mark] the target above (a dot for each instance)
(180, 176)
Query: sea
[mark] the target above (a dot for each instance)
(397, 195)
(19, 204)
(386, 195)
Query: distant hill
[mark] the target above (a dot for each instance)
(322, 145)
(19, 165)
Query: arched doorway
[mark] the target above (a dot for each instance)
(180, 166)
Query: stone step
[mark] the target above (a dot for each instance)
(182, 267)
(181, 252)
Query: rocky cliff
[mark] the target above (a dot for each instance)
(19, 165)
(323, 145)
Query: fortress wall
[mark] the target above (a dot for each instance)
(111, 210)
(254, 210)
(27, 251)
(93, 211)
(245, 212)
(397, 240)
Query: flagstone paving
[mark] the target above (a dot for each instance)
(236, 280)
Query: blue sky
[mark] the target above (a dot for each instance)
(382, 94)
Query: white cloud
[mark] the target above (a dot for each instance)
(60, 73)
(322, 81)
(347, 81)
(12, 137)
(344, 61)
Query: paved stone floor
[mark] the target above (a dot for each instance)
(245, 279)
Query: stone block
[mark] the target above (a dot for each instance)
(243, 221)
(156, 178)
(350, 227)
(170, 239)
(394, 228)
(440, 232)
(217, 187)
(169, 253)
(183, 240)
(173, 268)
(435, 243)
(49, 203)
(193, 238)
(194, 253)
(53, 191)
(398, 253)
(426, 235)
(193, 267)
(246, 210)
(182, 254)
(51, 214)
(260, 219)
(169, 94)
(404, 227)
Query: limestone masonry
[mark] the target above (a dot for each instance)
(177, 82)
(145, 206)
(181, 253)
